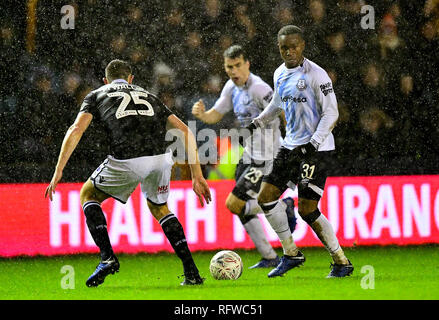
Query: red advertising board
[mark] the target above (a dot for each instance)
(363, 211)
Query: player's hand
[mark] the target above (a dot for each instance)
(307, 149)
(52, 186)
(201, 189)
(198, 109)
(251, 127)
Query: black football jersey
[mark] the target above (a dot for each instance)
(134, 119)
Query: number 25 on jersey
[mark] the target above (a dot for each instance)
(136, 96)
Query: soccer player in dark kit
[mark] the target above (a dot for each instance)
(304, 91)
(136, 122)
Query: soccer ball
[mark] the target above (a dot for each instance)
(226, 265)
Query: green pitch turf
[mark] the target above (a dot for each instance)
(398, 273)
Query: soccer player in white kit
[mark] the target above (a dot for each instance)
(303, 90)
(247, 95)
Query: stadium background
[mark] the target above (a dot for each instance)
(385, 80)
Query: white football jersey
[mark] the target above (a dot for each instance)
(306, 95)
(247, 103)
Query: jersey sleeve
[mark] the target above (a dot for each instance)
(89, 104)
(272, 110)
(162, 110)
(325, 97)
(263, 94)
(224, 102)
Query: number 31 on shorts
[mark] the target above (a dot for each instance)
(308, 171)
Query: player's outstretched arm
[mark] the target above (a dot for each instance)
(210, 117)
(71, 140)
(272, 111)
(199, 184)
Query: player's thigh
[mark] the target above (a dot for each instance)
(312, 180)
(307, 206)
(283, 173)
(158, 210)
(269, 193)
(235, 204)
(156, 181)
(90, 193)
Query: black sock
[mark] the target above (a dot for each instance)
(175, 234)
(97, 225)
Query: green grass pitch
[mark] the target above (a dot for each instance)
(399, 273)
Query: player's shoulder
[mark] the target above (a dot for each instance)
(279, 71)
(314, 70)
(93, 93)
(258, 84)
(228, 88)
(256, 80)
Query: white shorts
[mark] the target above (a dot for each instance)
(119, 178)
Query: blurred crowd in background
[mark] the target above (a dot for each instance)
(385, 79)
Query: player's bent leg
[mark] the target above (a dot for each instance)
(310, 213)
(174, 232)
(254, 229)
(268, 198)
(274, 209)
(275, 213)
(91, 200)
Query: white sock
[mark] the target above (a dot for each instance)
(252, 208)
(289, 247)
(257, 234)
(323, 229)
(279, 222)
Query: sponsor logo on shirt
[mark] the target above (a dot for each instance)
(267, 98)
(293, 99)
(326, 88)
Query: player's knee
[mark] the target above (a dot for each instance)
(308, 209)
(268, 194)
(85, 194)
(266, 197)
(234, 205)
(90, 193)
(158, 210)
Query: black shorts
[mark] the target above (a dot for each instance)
(248, 178)
(308, 173)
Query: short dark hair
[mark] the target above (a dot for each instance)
(234, 52)
(290, 29)
(117, 69)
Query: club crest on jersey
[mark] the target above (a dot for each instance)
(301, 84)
(246, 100)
